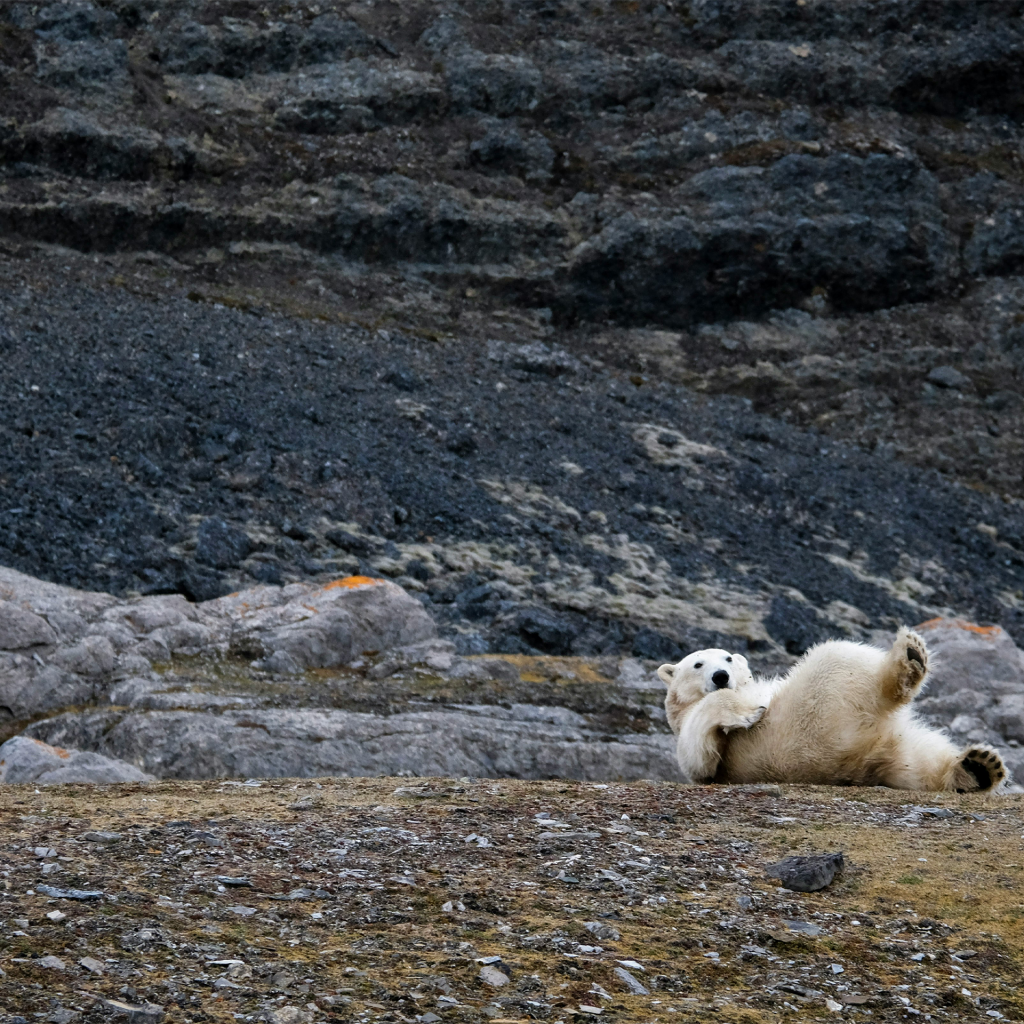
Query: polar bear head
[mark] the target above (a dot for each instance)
(706, 671)
(699, 674)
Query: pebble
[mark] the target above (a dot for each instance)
(56, 916)
(52, 963)
(936, 812)
(92, 965)
(242, 911)
(44, 851)
(232, 882)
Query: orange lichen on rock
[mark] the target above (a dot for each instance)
(349, 582)
(989, 631)
(59, 751)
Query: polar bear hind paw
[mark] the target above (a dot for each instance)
(907, 665)
(984, 767)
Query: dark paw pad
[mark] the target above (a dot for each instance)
(985, 766)
(913, 655)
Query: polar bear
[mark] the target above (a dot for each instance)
(841, 716)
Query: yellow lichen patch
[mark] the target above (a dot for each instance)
(542, 669)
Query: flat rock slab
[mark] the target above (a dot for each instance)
(395, 908)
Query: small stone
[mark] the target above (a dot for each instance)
(52, 963)
(69, 894)
(802, 927)
(600, 930)
(809, 873)
(632, 965)
(949, 377)
(490, 975)
(44, 851)
(49, 867)
(289, 1015)
(428, 1018)
(965, 954)
(147, 1013)
(233, 882)
(832, 1005)
(937, 812)
(102, 837)
(56, 916)
(584, 1008)
(744, 902)
(630, 982)
(837, 968)
(92, 965)
(242, 911)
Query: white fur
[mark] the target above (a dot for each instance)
(842, 715)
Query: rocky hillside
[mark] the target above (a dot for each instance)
(607, 328)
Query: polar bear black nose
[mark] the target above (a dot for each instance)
(720, 679)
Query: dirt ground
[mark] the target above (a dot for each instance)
(465, 900)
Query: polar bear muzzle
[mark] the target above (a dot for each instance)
(720, 679)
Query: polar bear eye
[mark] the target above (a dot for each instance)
(699, 664)
(728, 659)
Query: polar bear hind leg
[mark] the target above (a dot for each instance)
(904, 668)
(917, 757)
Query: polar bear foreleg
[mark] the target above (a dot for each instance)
(702, 732)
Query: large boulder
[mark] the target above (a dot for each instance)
(61, 647)
(26, 760)
(976, 686)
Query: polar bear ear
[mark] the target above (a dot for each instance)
(666, 673)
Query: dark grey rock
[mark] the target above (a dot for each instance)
(655, 646)
(807, 873)
(221, 545)
(546, 633)
(950, 377)
(796, 626)
(493, 83)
